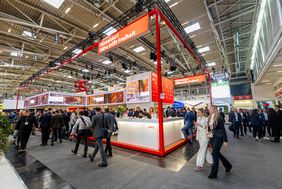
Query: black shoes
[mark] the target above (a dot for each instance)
(84, 155)
(73, 152)
(102, 164)
(228, 170)
(52, 144)
(91, 158)
(212, 177)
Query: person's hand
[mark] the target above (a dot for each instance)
(225, 144)
(196, 123)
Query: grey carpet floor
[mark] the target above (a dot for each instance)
(255, 165)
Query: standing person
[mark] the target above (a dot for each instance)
(266, 125)
(234, 119)
(57, 124)
(219, 137)
(113, 127)
(274, 123)
(188, 125)
(66, 119)
(82, 129)
(73, 119)
(24, 126)
(245, 119)
(45, 126)
(256, 122)
(98, 123)
(221, 113)
(201, 136)
(279, 114)
(248, 113)
(241, 121)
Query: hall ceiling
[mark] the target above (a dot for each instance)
(74, 19)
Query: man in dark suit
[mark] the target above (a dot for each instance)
(236, 119)
(188, 125)
(246, 121)
(98, 123)
(113, 126)
(45, 126)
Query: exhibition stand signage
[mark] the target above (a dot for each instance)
(190, 80)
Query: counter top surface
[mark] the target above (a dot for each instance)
(150, 120)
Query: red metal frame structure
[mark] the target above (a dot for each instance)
(162, 149)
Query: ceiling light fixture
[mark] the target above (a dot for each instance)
(85, 70)
(277, 65)
(16, 54)
(174, 4)
(77, 51)
(109, 31)
(68, 10)
(107, 62)
(55, 3)
(95, 25)
(139, 49)
(192, 28)
(70, 77)
(211, 64)
(65, 48)
(9, 30)
(204, 49)
(126, 71)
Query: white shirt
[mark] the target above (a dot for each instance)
(265, 116)
(211, 121)
(79, 123)
(236, 116)
(202, 129)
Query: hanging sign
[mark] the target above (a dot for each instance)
(190, 79)
(129, 32)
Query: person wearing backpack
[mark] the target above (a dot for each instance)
(113, 127)
(100, 132)
(82, 129)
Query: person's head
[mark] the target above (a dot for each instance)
(57, 111)
(220, 109)
(81, 113)
(193, 109)
(107, 110)
(244, 110)
(151, 109)
(50, 109)
(240, 110)
(188, 110)
(98, 109)
(144, 110)
(201, 112)
(264, 110)
(255, 111)
(27, 112)
(214, 111)
(138, 108)
(235, 110)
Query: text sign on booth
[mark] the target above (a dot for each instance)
(190, 79)
(125, 34)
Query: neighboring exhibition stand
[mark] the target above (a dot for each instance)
(158, 136)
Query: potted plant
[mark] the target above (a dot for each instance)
(5, 131)
(121, 110)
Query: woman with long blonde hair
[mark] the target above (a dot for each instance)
(201, 136)
(219, 137)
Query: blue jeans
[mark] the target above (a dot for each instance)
(187, 130)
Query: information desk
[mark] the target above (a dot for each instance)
(145, 132)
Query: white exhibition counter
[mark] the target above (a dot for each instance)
(145, 132)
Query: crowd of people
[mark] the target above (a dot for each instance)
(59, 124)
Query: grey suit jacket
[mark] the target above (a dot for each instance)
(111, 122)
(98, 125)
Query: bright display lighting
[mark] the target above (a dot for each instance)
(126, 71)
(55, 3)
(95, 25)
(107, 62)
(77, 51)
(16, 54)
(204, 49)
(167, 1)
(192, 28)
(220, 89)
(139, 49)
(211, 64)
(28, 34)
(277, 65)
(85, 70)
(110, 31)
(70, 77)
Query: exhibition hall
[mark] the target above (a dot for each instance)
(140, 94)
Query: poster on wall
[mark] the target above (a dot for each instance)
(137, 91)
(66, 99)
(109, 98)
(167, 89)
(36, 100)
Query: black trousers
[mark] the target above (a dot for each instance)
(108, 145)
(82, 134)
(257, 131)
(216, 156)
(99, 147)
(23, 137)
(276, 133)
(55, 133)
(246, 125)
(266, 126)
(236, 130)
(44, 135)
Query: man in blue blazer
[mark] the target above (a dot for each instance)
(189, 119)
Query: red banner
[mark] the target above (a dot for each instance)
(190, 79)
(167, 89)
(246, 97)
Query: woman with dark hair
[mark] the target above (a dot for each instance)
(216, 125)
(256, 123)
(274, 124)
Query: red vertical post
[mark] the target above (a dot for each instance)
(17, 103)
(159, 75)
(209, 84)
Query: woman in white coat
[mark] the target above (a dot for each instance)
(202, 137)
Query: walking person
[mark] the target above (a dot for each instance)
(202, 137)
(219, 138)
(113, 127)
(24, 126)
(265, 125)
(274, 123)
(235, 119)
(45, 126)
(82, 129)
(256, 122)
(245, 118)
(72, 121)
(57, 124)
(98, 123)
(189, 119)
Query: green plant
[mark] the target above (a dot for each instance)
(121, 109)
(5, 131)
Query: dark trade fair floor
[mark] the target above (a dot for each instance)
(255, 165)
